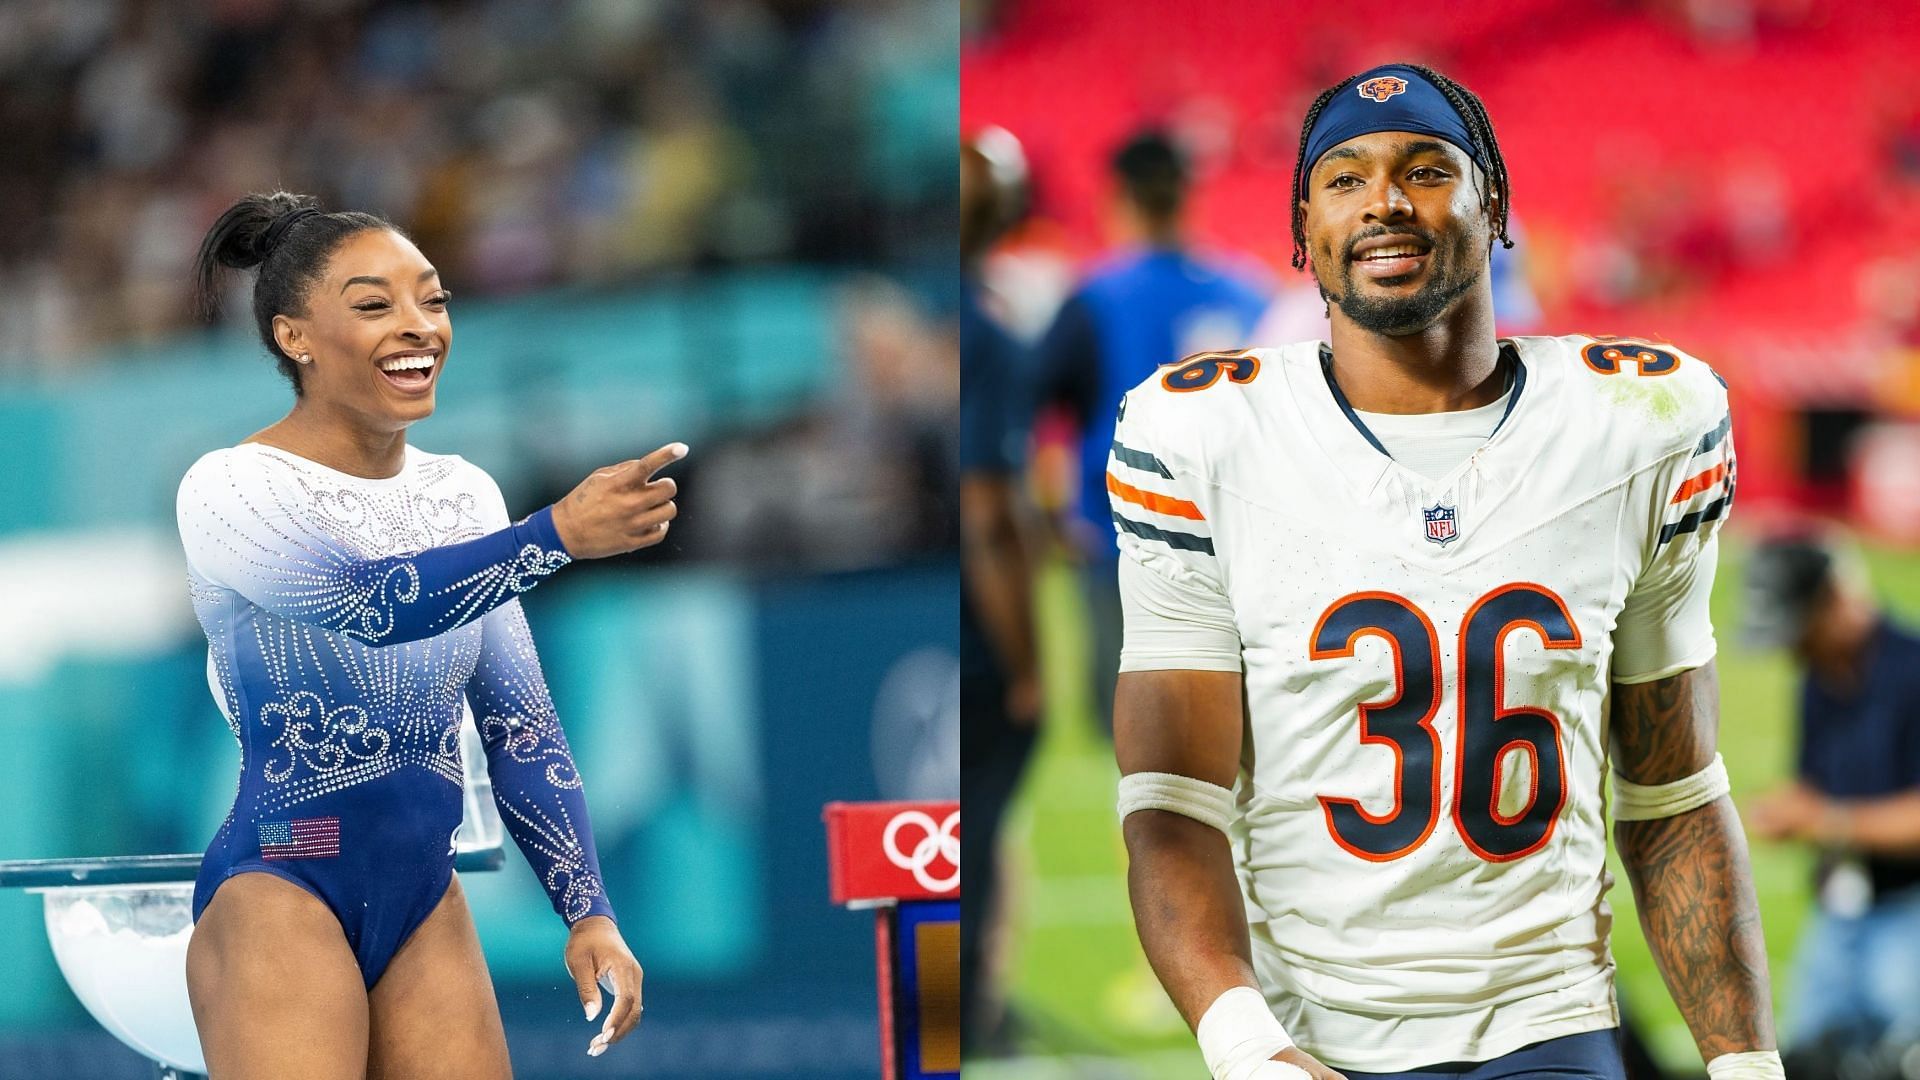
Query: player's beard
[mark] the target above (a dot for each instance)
(1454, 272)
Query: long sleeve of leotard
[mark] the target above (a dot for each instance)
(248, 528)
(535, 782)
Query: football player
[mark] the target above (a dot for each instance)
(1395, 604)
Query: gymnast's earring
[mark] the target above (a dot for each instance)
(304, 358)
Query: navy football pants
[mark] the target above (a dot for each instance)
(1591, 1055)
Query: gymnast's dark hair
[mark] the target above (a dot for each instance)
(289, 239)
(1472, 112)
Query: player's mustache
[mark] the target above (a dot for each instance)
(1346, 253)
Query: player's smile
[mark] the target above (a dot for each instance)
(1390, 258)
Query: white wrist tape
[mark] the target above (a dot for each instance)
(1208, 804)
(1645, 802)
(1239, 1035)
(1752, 1065)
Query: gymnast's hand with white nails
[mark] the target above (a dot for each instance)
(620, 508)
(597, 956)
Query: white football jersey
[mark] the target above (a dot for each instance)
(1422, 833)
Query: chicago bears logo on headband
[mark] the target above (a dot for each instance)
(1382, 88)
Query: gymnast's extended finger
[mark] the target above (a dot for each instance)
(656, 461)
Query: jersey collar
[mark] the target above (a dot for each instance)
(1508, 353)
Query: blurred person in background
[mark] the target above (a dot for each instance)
(1150, 304)
(353, 589)
(1855, 798)
(827, 487)
(999, 661)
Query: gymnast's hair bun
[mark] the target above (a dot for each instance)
(245, 235)
(289, 240)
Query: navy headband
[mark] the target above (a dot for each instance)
(1391, 97)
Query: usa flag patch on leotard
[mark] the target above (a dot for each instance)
(301, 838)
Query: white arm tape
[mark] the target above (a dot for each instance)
(1645, 802)
(1239, 1035)
(1208, 804)
(1752, 1065)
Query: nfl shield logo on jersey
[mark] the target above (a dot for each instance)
(1441, 528)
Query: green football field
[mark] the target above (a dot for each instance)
(1090, 1004)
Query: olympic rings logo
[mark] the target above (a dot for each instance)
(938, 843)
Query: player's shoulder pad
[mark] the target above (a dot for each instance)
(1200, 400)
(1668, 394)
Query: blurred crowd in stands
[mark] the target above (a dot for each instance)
(866, 477)
(524, 143)
(528, 144)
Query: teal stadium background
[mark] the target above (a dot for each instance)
(689, 693)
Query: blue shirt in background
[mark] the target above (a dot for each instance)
(1131, 316)
(1863, 741)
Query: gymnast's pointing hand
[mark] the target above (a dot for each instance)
(620, 508)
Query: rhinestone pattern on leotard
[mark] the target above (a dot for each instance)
(344, 633)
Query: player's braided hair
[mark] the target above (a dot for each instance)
(1472, 112)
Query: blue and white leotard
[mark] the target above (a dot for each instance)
(346, 620)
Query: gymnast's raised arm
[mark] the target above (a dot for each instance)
(241, 531)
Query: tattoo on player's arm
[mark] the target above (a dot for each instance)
(1666, 730)
(1691, 879)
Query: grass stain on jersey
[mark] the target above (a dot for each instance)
(1651, 396)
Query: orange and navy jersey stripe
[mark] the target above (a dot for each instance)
(1705, 493)
(1137, 484)
(1702, 481)
(1159, 504)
